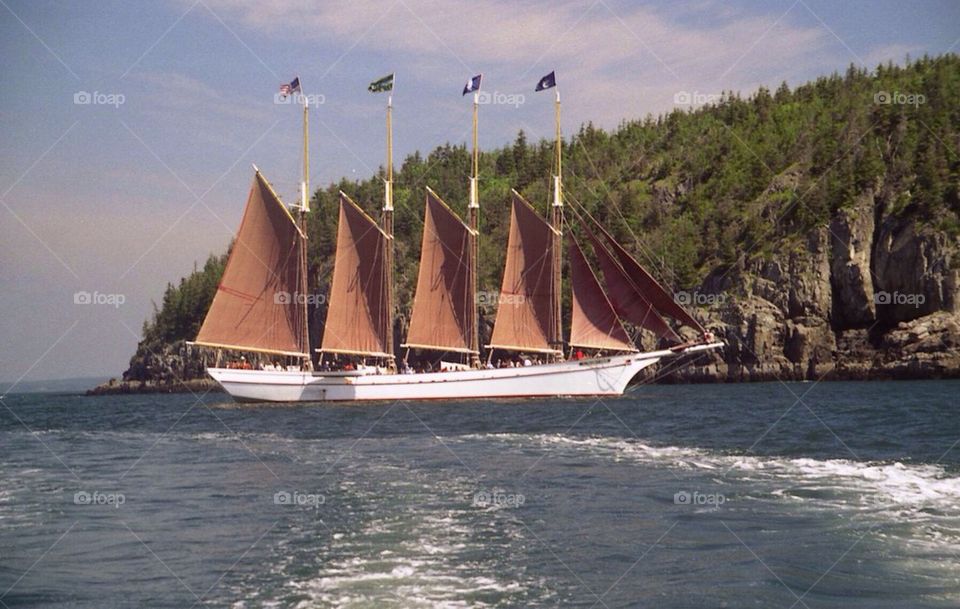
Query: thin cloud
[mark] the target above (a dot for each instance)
(896, 53)
(616, 54)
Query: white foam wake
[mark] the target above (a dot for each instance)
(408, 547)
(921, 492)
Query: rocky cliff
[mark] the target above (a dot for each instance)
(868, 295)
(175, 368)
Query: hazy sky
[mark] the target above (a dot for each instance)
(123, 194)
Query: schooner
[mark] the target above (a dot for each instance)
(260, 303)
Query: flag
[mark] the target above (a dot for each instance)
(547, 82)
(473, 84)
(381, 85)
(289, 89)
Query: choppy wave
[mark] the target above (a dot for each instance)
(926, 495)
(399, 528)
(170, 435)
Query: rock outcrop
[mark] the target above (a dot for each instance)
(851, 237)
(867, 296)
(176, 368)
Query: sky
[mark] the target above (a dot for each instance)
(128, 129)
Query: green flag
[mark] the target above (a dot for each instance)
(381, 85)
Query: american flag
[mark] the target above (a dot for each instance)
(292, 87)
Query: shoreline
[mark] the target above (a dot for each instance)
(115, 387)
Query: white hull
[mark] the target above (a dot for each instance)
(598, 376)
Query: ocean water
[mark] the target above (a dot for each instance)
(760, 495)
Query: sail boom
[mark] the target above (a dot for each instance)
(519, 348)
(438, 348)
(587, 345)
(352, 352)
(250, 349)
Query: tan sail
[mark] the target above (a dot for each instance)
(525, 312)
(627, 300)
(256, 306)
(443, 306)
(593, 321)
(651, 289)
(357, 316)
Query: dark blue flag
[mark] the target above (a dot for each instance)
(473, 85)
(547, 82)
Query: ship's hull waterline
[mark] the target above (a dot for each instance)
(589, 377)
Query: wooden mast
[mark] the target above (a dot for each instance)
(302, 224)
(387, 225)
(474, 223)
(556, 221)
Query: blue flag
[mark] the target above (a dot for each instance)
(473, 84)
(547, 82)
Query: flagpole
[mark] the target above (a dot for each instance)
(388, 198)
(474, 219)
(305, 183)
(557, 186)
(302, 218)
(388, 229)
(556, 220)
